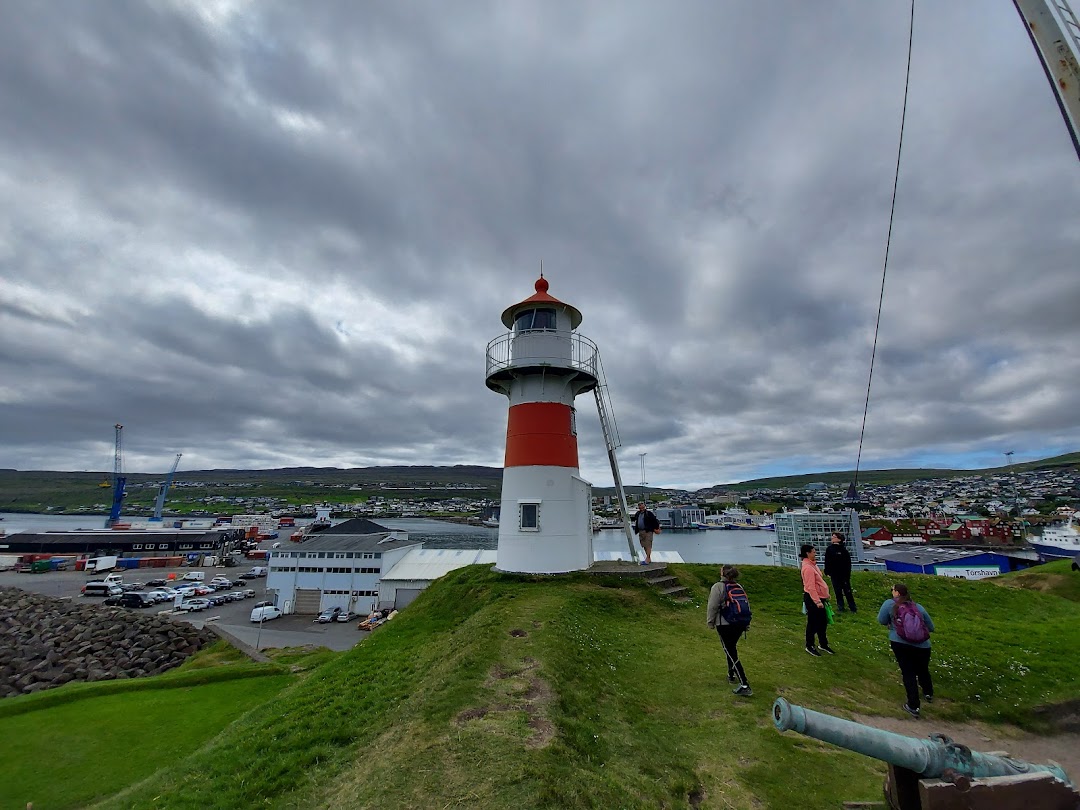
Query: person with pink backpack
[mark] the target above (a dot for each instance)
(910, 627)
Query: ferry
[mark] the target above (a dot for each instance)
(1058, 542)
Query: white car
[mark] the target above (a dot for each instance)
(194, 604)
(184, 590)
(160, 595)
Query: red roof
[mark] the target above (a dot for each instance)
(540, 297)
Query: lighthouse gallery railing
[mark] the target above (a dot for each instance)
(550, 347)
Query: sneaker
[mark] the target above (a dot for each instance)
(928, 698)
(913, 712)
(828, 649)
(744, 691)
(813, 651)
(732, 679)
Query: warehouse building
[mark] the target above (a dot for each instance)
(422, 566)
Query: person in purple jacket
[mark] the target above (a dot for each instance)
(912, 655)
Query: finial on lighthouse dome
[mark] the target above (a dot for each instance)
(541, 298)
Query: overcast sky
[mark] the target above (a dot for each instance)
(280, 234)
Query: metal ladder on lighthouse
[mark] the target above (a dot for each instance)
(611, 439)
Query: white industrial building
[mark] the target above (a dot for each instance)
(337, 567)
(420, 567)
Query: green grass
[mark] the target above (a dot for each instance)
(69, 753)
(1055, 578)
(502, 692)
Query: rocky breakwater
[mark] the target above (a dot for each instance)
(45, 642)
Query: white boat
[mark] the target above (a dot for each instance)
(1058, 542)
(492, 522)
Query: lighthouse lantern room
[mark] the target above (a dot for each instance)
(541, 365)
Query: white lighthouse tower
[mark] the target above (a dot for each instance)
(541, 365)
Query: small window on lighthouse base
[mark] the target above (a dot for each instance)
(529, 516)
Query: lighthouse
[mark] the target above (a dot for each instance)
(541, 365)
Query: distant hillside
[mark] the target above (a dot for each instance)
(902, 476)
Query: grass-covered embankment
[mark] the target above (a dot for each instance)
(498, 692)
(1055, 578)
(70, 746)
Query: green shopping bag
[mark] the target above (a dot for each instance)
(828, 612)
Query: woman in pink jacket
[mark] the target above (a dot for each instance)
(815, 591)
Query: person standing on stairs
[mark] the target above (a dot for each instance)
(645, 524)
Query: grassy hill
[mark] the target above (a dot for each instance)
(500, 692)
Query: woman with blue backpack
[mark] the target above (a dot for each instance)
(728, 613)
(910, 627)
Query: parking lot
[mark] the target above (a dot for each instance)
(286, 631)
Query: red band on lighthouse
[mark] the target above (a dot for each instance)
(539, 434)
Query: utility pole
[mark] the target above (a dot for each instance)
(641, 457)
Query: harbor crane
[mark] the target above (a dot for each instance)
(119, 481)
(159, 505)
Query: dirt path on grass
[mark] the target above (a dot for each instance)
(1064, 748)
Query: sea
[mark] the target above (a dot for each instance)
(735, 546)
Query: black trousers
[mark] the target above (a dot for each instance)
(729, 637)
(817, 623)
(915, 668)
(842, 587)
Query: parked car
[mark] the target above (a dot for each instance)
(130, 600)
(221, 582)
(264, 613)
(347, 616)
(264, 604)
(185, 590)
(328, 615)
(194, 576)
(157, 582)
(194, 604)
(248, 593)
(217, 599)
(236, 596)
(203, 590)
(160, 595)
(131, 586)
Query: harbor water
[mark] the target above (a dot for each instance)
(738, 546)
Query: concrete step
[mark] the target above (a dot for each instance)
(678, 590)
(660, 582)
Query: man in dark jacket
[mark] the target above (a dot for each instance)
(645, 524)
(838, 569)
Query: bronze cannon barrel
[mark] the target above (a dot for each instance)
(929, 757)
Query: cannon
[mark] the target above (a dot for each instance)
(936, 773)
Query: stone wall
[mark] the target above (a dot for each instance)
(45, 642)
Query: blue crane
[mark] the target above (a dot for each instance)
(160, 504)
(118, 483)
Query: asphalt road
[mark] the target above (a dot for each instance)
(287, 631)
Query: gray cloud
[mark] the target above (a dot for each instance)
(273, 235)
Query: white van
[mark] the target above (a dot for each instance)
(101, 589)
(265, 614)
(194, 576)
(113, 579)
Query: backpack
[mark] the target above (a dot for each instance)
(909, 624)
(736, 609)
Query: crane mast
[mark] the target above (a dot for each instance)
(160, 504)
(119, 481)
(1055, 33)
